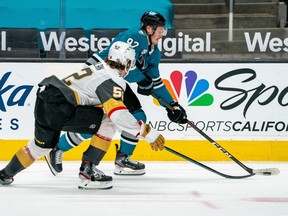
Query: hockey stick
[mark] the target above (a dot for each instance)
(206, 167)
(268, 171)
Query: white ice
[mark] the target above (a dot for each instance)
(167, 188)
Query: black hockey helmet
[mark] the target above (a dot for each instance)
(153, 19)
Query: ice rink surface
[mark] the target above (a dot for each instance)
(167, 188)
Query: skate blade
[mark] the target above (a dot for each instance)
(128, 171)
(6, 182)
(86, 184)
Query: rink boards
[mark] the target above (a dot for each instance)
(242, 106)
(196, 149)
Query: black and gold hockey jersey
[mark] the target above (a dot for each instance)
(102, 87)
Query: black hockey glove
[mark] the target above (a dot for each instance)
(145, 87)
(178, 115)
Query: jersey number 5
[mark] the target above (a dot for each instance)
(117, 93)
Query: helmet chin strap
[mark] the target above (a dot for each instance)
(150, 43)
(150, 38)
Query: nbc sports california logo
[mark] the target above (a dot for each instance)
(196, 89)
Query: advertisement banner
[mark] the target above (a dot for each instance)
(226, 101)
(18, 87)
(78, 43)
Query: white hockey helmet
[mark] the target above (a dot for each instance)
(122, 53)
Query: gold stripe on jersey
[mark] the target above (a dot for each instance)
(100, 142)
(76, 95)
(113, 105)
(25, 157)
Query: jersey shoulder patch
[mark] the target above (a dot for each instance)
(109, 89)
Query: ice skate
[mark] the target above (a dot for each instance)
(93, 178)
(54, 160)
(125, 166)
(5, 179)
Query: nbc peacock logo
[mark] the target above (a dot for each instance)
(195, 88)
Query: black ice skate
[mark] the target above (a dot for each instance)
(54, 160)
(5, 179)
(125, 166)
(93, 178)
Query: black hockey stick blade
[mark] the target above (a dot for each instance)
(206, 167)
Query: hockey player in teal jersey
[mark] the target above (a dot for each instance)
(144, 40)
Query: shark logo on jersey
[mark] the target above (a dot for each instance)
(151, 49)
(143, 52)
(141, 60)
(141, 32)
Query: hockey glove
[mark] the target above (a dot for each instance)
(178, 115)
(152, 136)
(145, 87)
